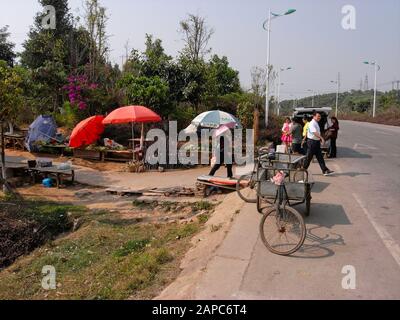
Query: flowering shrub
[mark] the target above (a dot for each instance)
(78, 89)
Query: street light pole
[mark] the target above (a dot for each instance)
(279, 99)
(337, 93)
(268, 28)
(376, 69)
(279, 87)
(268, 68)
(374, 108)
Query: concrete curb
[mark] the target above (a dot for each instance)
(205, 244)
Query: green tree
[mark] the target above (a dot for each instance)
(48, 44)
(149, 92)
(221, 78)
(194, 83)
(6, 47)
(11, 91)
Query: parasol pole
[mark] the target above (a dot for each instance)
(133, 143)
(142, 137)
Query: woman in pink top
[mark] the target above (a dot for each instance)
(287, 133)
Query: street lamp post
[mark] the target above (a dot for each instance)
(376, 69)
(337, 82)
(268, 28)
(279, 87)
(279, 98)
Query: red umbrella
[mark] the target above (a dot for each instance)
(87, 132)
(132, 114)
(138, 114)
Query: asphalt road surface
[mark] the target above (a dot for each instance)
(352, 247)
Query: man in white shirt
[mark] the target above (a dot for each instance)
(314, 140)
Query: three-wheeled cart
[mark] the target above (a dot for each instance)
(298, 184)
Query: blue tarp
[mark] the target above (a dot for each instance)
(43, 129)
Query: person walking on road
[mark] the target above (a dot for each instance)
(222, 160)
(296, 136)
(306, 123)
(314, 140)
(333, 130)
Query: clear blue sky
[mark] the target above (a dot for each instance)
(311, 40)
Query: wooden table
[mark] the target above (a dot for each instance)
(58, 174)
(17, 141)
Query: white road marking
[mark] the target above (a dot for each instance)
(385, 133)
(389, 242)
(364, 146)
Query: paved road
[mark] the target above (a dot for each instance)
(355, 221)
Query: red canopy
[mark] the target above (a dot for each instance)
(130, 114)
(87, 132)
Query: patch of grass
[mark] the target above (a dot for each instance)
(140, 204)
(203, 218)
(202, 205)
(103, 261)
(131, 247)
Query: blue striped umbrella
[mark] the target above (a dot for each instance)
(216, 118)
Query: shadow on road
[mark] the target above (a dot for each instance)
(352, 174)
(319, 187)
(344, 152)
(320, 240)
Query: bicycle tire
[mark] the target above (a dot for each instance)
(242, 191)
(302, 237)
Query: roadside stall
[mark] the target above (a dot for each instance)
(132, 115)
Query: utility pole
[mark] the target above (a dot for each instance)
(366, 83)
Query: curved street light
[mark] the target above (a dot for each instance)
(267, 27)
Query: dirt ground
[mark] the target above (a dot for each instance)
(96, 165)
(143, 208)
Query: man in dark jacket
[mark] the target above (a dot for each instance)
(333, 134)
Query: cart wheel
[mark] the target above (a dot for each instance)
(246, 188)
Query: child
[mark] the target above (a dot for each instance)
(286, 134)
